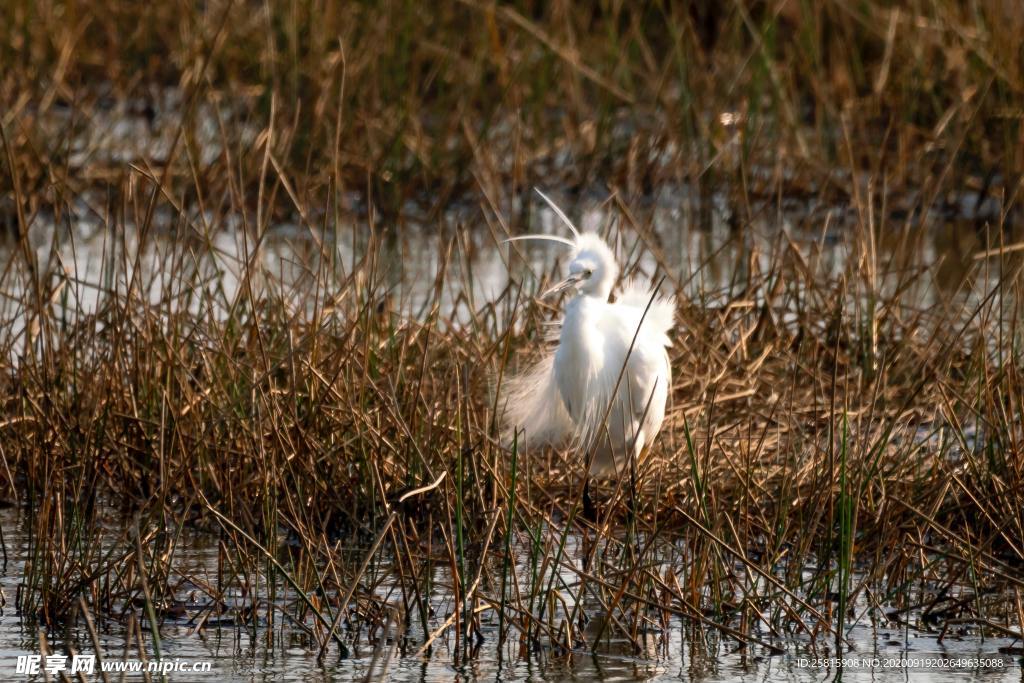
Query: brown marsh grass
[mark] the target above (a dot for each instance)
(843, 432)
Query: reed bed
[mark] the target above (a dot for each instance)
(844, 438)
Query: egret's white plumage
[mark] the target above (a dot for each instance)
(575, 395)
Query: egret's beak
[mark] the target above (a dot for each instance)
(565, 284)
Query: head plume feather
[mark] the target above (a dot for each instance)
(558, 212)
(573, 243)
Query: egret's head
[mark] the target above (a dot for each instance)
(593, 269)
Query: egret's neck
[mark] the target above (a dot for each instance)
(581, 338)
(582, 315)
(581, 309)
(597, 291)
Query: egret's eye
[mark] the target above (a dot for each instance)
(587, 272)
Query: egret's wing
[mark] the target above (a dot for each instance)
(640, 399)
(660, 316)
(647, 367)
(650, 377)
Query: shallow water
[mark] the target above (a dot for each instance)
(673, 651)
(704, 257)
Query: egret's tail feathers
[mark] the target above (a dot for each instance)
(661, 316)
(533, 406)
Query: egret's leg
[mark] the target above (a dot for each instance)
(589, 514)
(589, 509)
(640, 457)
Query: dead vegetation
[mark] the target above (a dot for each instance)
(843, 431)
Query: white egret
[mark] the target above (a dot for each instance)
(604, 388)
